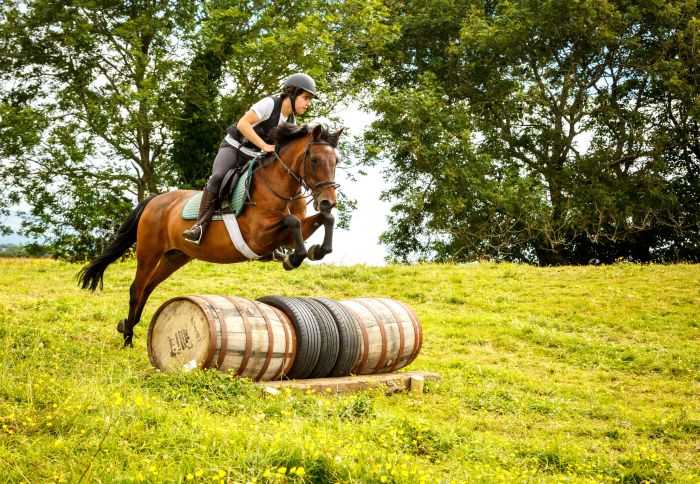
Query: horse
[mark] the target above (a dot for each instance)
(304, 161)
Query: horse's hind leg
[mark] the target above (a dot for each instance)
(147, 262)
(140, 292)
(168, 264)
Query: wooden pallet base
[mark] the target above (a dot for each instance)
(388, 383)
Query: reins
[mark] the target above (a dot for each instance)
(302, 181)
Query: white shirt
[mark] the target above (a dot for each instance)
(263, 109)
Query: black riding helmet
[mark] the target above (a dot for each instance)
(296, 84)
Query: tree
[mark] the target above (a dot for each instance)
(539, 131)
(91, 86)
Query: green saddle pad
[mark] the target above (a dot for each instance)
(191, 209)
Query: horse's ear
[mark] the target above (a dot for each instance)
(317, 132)
(333, 138)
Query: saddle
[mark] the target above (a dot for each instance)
(234, 194)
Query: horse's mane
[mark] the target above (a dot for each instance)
(288, 132)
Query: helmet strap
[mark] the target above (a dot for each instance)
(293, 97)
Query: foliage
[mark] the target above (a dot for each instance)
(548, 374)
(90, 87)
(12, 250)
(551, 132)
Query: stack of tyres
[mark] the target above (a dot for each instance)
(359, 336)
(328, 336)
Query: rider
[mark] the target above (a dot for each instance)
(251, 131)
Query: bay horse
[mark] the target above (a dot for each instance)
(305, 159)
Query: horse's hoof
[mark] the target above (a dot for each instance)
(127, 341)
(314, 253)
(287, 264)
(278, 255)
(120, 326)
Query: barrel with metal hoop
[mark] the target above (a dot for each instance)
(225, 332)
(390, 331)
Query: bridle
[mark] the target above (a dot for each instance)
(302, 180)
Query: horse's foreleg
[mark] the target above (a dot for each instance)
(294, 260)
(309, 226)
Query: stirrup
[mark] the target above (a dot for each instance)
(192, 241)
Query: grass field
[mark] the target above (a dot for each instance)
(586, 374)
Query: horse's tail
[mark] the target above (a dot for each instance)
(91, 275)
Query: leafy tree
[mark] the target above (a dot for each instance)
(91, 87)
(551, 132)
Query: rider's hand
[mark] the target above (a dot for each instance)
(268, 148)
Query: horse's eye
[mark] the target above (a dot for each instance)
(314, 160)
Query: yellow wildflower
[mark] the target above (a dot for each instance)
(300, 471)
(282, 470)
(199, 473)
(189, 477)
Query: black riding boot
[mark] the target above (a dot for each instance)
(206, 212)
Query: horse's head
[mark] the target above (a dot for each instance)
(310, 159)
(317, 167)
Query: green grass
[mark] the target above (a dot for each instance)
(586, 374)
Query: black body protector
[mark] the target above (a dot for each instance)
(262, 129)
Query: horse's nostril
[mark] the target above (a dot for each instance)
(326, 205)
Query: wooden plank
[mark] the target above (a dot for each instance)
(387, 382)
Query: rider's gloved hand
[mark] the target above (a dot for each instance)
(268, 148)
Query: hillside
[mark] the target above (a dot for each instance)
(582, 374)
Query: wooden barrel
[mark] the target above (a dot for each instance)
(224, 332)
(390, 331)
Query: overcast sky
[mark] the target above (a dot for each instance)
(359, 244)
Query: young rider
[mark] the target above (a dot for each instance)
(252, 131)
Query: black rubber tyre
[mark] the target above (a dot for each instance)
(307, 332)
(349, 337)
(329, 338)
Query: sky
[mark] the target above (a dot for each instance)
(359, 244)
